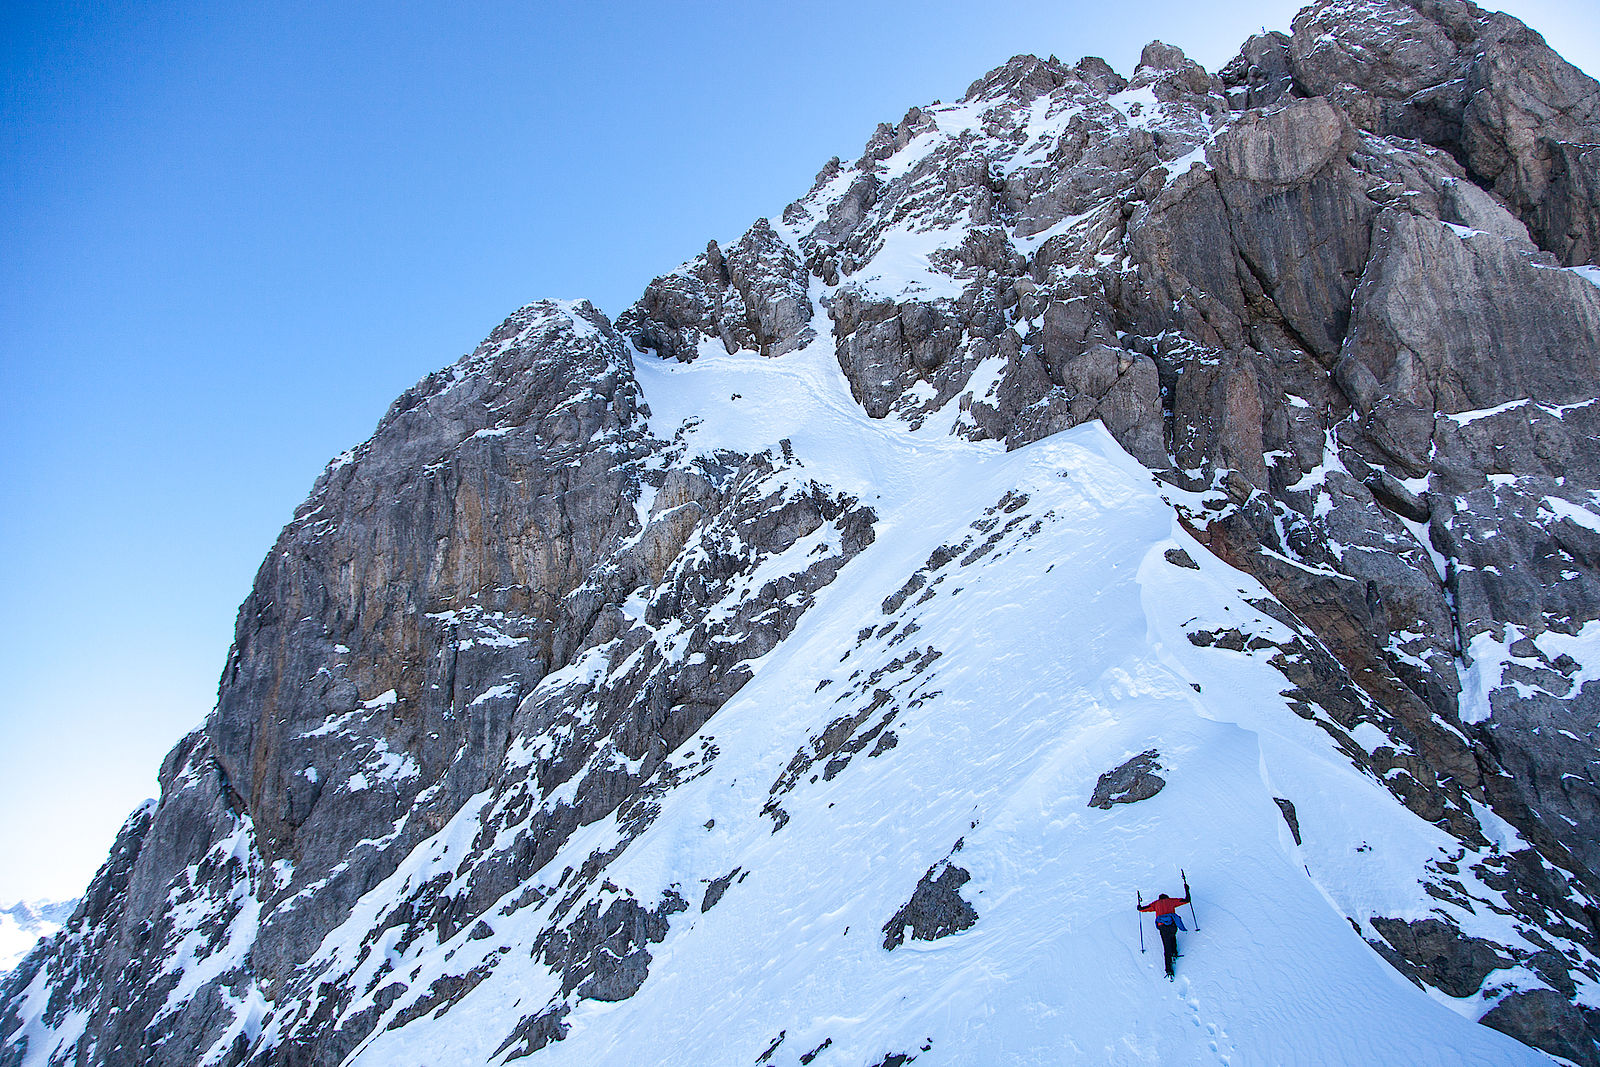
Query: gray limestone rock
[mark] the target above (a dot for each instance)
(73, 958)
(1393, 494)
(756, 296)
(936, 908)
(1261, 74)
(1548, 1021)
(774, 286)
(602, 954)
(1482, 86)
(1434, 329)
(1129, 782)
(1298, 213)
(1440, 954)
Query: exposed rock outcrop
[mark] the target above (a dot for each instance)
(1130, 782)
(936, 908)
(1478, 84)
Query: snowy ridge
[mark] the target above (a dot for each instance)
(1077, 577)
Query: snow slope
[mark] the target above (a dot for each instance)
(1061, 651)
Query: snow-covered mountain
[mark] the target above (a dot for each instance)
(1097, 478)
(24, 923)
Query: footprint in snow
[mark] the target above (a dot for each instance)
(1216, 1037)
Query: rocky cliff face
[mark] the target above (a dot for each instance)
(1334, 297)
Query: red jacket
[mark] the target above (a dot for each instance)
(1164, 905)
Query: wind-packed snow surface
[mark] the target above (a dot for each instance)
(1048, 648)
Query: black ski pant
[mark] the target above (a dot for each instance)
(1169, 942)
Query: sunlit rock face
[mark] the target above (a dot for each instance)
(782, 672)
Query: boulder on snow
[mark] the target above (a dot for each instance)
(1133, 781)
(1179, 558)
(935, 909)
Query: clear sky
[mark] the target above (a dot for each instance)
(231, 234)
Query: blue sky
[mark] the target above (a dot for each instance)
(233, 233)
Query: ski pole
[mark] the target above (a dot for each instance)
(1138, 896)
(1187, 896)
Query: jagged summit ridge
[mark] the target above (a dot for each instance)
(548, 697)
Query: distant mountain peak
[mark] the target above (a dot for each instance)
(26, 922)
